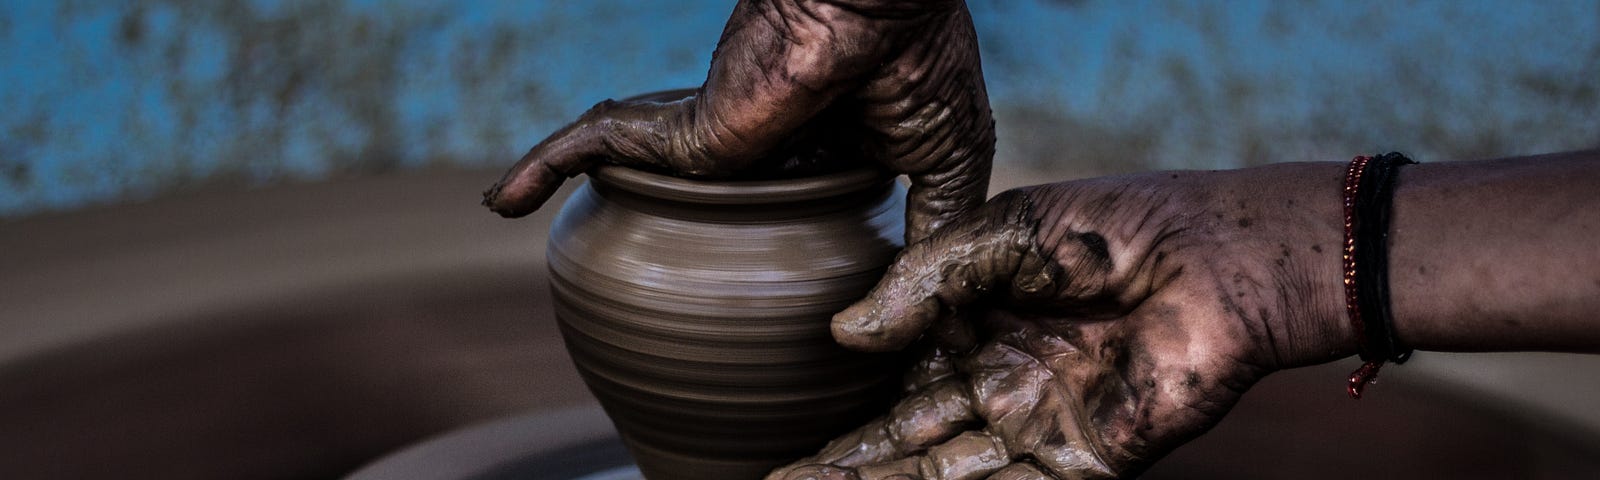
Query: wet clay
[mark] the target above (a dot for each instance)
(698, 312)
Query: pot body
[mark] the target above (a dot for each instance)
(698, 312)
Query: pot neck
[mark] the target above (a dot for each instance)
(734, 193)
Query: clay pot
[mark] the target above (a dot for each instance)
(698, 311)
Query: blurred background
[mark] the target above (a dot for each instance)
(111, 100)
(240, 239)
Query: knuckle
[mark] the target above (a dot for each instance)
(602, 107)
(1012, 206)
(1034, 271)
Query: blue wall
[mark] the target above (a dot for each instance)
(104, 101)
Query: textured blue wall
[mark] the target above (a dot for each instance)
(102, 101)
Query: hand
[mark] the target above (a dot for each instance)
(898, 83)
(1115, 319)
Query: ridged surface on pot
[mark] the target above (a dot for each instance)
(697, 312)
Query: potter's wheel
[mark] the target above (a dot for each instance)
(619, 473)
(1286, 428)
(576, 443)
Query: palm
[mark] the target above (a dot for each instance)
(1051, 397)
(1104, 398)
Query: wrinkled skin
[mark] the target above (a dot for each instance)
(894, 82)
(1095, 325)
(1116, 319)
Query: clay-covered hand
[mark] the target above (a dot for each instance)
(1111, 320)
(891, 81)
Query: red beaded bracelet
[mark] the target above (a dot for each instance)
(1368, 193)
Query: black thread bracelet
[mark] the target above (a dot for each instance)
(1369, 198)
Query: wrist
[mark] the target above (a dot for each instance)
(1297, 234)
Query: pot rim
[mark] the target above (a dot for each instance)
(739, 192)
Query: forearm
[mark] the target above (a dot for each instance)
(1498, 254)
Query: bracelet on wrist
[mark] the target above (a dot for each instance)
(1368, 198)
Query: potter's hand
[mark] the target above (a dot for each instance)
(1113, 320)
(899, 80)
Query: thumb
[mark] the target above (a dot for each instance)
(991, 248)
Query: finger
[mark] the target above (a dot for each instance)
(938, 197)
(814, 472)
(951, 269)
(905, 468)
(930, 416)
(969, 456)
(921, 420)
(529, 183)
(664, 131)
(1020, 471)
(946, 143)
(1034, 410)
